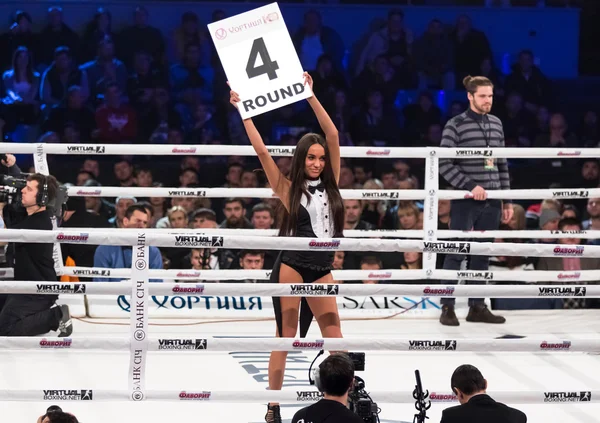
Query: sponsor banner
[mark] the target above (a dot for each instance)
(568, 250)
(307, 345)
(68, 395)
(447, 345)
(441, 291)
(575, 291)
(473, 153)
(380, 195)
(571, 194)
(187, 193)
(183, 150)
(469, 274)
(195, 396)
(447, 247)
(60, 288)
(437, 397)
(334, 244)
(182, 344)
(281, 151)
(91, 272)
(568, 276)
(206, 306)
(378, 153)
(56, 344)
(139, 318)
(577, 396)
(89, 192)
(308, 396)
(82, 237)
(564, 345)
(195, 241)
(303, 290)
(581, 232)
(86, 149)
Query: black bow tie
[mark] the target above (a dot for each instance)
(313, 188)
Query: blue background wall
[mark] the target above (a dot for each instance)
(553, 34)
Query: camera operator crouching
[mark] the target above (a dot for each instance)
(30, 315)
(335, 380)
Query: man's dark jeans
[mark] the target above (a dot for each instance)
(467, 215)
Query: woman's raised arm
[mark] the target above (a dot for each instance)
(278, 182)
(331, 133)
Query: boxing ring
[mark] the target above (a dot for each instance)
(139, 347)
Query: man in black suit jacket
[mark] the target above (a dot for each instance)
(476, 406)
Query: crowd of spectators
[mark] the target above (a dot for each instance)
(107, 86)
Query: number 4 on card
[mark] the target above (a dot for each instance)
(259, 49)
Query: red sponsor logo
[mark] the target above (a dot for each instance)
(197, 396)
(318, 344)
(385, 275)
(198, 289)
(271, 17)
(434, 396)
(324, 244)
(565, 345)
(385, 152)
(449, 290)
(571, 251)
(188, 150)
(569, 153)
(221, 34)
(569, 275)
(84, 192)
(75, 238)
(63, 343)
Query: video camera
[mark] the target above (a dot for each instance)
(359, 401)
(10, 193)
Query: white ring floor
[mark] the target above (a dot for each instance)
(384, 370)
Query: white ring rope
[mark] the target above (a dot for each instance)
(377, 233)
(246, 150)
(199, 344)
(117, 237)
(347, 194)
(294, 397)
(305, 290)
(140, 288)
(349, 275)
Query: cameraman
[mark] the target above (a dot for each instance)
(54, 414)
(31, 315)
(8, 166)
(336, 374)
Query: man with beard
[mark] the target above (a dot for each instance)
(235, 215)
(477, 172)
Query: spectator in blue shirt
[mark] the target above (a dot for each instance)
(119, 256)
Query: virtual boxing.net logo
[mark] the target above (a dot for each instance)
(182, 344)
(314, 290)
(68, 395)
(447, 345)
(58, 288)
(310, 396)
(580, 396)
(576, 291)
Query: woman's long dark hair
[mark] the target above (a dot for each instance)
(289, 221)
(29, 70)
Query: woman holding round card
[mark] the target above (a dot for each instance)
(313, 208)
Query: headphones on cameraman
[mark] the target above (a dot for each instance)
(42, 196)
